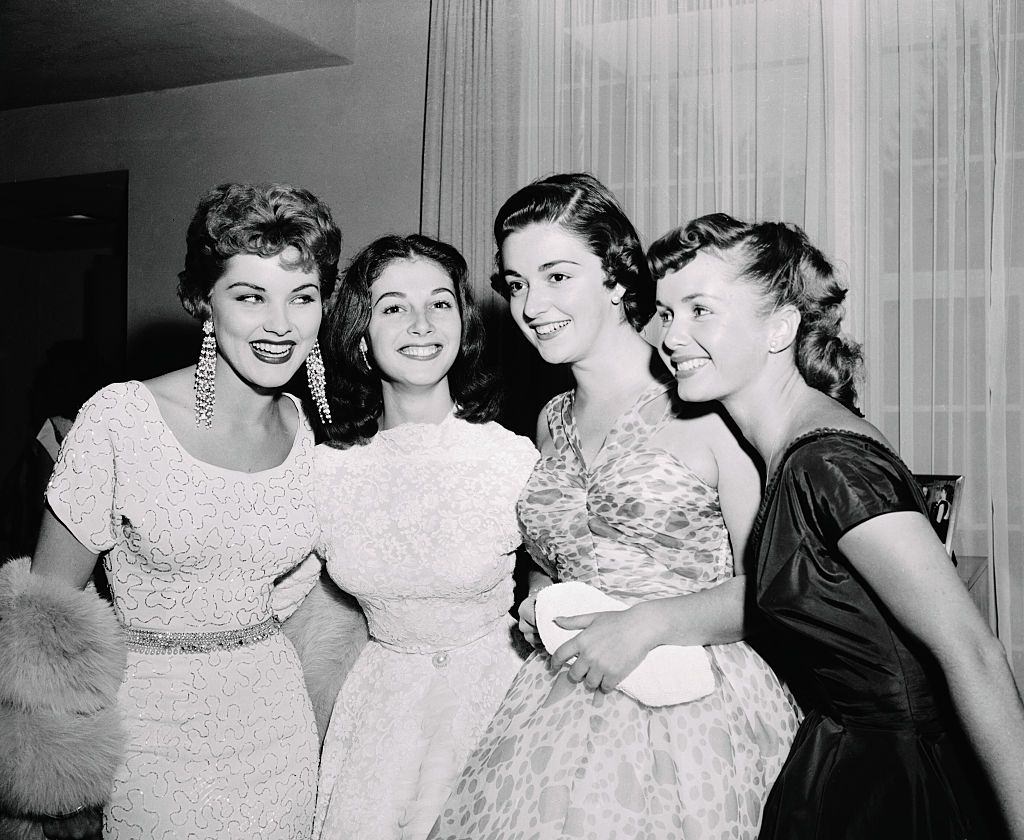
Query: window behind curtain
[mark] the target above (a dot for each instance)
(891, 130)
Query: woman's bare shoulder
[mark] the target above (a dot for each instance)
(695, 435)
(828, 414)
(173, 390)
(707, 424)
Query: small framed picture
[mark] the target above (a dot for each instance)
(942, 495)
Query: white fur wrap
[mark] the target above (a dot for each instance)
(62, 659)
(328, 631)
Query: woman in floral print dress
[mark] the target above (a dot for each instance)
(651, 503)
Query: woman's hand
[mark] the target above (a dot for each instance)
(83, 825)
(610, 646)
(528, 608)
(528, 620)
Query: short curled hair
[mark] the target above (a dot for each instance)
(354, 392)
(584, 208)
(788, 270)
(259, 219)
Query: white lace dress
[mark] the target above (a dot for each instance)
(221, 744)
(420, 526)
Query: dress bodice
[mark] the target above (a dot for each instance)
(864, 665)
(419, 526)
(637, 523)
(188, 546)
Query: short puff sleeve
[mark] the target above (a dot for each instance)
(523, 456)
(291, 589)
(841, 481)
(82, 488)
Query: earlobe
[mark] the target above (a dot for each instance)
(784, 327)
(617, 292)
(363, 353)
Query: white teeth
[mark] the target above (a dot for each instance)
(420, 351)
(547, 329)
(272, 349)
(691, 364)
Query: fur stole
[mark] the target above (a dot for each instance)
(62, 659)
(328, 631)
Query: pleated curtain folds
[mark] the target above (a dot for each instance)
(891, 130)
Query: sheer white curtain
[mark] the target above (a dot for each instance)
(892, 130)
(938, 191)
(681, 108)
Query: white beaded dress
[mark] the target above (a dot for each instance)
(420, 526)
(222, 744)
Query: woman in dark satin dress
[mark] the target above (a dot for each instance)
(898, 663)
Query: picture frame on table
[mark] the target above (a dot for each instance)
(943, 496)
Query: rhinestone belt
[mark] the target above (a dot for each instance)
(157, 641)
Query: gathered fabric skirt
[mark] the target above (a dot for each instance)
(402, 728)
(560, 760)
(222, 745)
(845, 782)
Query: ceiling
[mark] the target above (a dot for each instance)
(67, 50)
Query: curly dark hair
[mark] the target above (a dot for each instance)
(259, 219)
(781, 262)
(586, 209)
(355, 393)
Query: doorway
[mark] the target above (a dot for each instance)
(64, 246)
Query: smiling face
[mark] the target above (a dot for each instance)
(266, 317)
(713, 336)
(415, 328)
(557, 292)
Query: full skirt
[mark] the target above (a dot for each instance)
(403, 726)
(560, 760)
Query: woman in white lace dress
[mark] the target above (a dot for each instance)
(193, 488)
(416, 491)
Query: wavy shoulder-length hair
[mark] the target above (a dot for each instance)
(354, 389)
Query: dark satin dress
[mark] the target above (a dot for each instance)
(880, 754)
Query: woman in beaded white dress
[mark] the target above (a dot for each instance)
(193, 488)
(416, 490)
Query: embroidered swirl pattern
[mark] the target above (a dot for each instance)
(221, 744)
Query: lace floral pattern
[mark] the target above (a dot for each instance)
(420, 526)
(221, 744)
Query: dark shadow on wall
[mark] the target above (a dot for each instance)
(64, 247)
(529, 382)
(162, 347)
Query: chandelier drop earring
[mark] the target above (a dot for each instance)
(318, 382)
(206, 370)
(362, 352)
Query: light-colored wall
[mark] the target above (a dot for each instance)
(351, 134)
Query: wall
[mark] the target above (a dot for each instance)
(351, 134)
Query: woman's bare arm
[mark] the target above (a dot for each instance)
(60, 555)
(901, 559)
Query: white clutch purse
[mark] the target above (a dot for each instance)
(668, 675)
